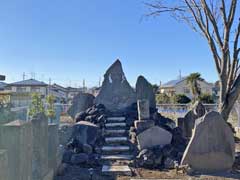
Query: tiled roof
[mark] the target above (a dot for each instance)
(29, 82)
(173, 83)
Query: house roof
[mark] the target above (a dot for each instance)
(2, 85)
(173, 83)
(29, 82)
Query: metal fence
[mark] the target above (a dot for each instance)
(181, 109)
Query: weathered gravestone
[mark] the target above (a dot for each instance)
(187, 123)
(81, 102)
(144, 90)
(143, 109)
(154, 136)
(40, 146)
(212, 147)
(16, 138)
(143, 121)
(116, 93)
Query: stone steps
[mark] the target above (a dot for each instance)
(115, 132)
(114, 140)
(116, 119)
(115, 125)
(115, 148)
(125, 170)
(117, 157)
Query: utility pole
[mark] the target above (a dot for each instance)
(24, 76)
(84, 85)
(180, 74)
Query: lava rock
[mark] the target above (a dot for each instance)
(87, 149)
(67, 155)
(79, 158)
(80, 116)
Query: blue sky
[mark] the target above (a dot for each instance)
(69, 41)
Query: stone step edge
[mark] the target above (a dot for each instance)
(116, 157)
(117, 169)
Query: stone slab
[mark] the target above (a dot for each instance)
(117, 157)
(117, 169)
(115, 131)
(112, 125)
(40, 146)
(116, 119)
(143, 109)
(4, 169)
(115, 148)
(212, 146)
(142, 125)
(53, 143)
(153, 136)
(16, 138)
(116, 139)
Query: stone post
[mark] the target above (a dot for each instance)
(143, 121)
(4, 169)
(143, 110)
(16, 138)
(53, 143)
(40, 146)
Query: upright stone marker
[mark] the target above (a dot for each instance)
(116, 93)
(40, 146)
(4, 168)
(212, 146)
(143, 109)
(53, 143)
(144, 90)
(81, 102)
(16, 138)
(187, 123)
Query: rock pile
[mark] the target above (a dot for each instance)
(160, 145)
(80, 150)
(95, 114)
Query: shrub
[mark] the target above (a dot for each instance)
(180, 99)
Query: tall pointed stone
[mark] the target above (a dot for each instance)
(116, 93)
(144, 91)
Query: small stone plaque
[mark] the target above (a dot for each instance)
(143, 110)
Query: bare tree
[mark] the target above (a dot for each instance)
(216, 21)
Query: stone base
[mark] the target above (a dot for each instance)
(142, 125)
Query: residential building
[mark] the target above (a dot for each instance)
(59, 92)
(71, 92)
(21, 91)
(180, 86)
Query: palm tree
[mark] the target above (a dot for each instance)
(192, 81)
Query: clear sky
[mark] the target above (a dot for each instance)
(72, 40)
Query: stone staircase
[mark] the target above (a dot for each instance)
(116, 152)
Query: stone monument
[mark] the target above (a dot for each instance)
(144, 90)
(212, 146)
(116, 93)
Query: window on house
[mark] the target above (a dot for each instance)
(21, 89)
(36, 89)
(186, 90)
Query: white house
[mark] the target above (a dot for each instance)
(21, 91)
(180, 86)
